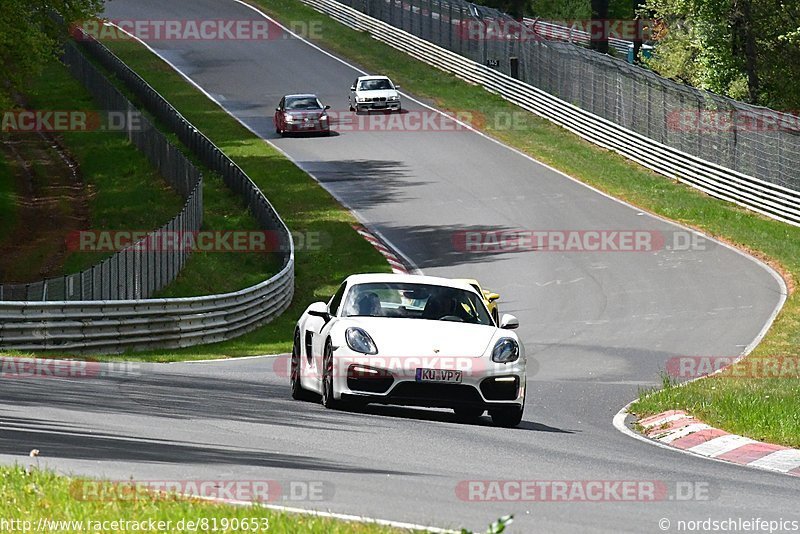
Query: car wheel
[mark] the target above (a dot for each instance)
(468, 412)
(507, 417)
(298, 393)
(327, 377)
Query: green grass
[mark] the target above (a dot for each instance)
(8, 206)
(36, 495)
(766, 409)
(125, 191)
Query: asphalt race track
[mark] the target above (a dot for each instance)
(597, 326)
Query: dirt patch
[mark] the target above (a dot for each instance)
(52, 201)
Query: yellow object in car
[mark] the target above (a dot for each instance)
(489, 297)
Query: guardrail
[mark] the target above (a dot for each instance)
(138, 324)
(764, 197)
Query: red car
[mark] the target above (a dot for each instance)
(301, 114)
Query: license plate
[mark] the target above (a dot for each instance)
(439, 375)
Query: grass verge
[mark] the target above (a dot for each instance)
(767, 409)
(31, 497)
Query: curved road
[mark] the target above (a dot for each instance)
(598, 326)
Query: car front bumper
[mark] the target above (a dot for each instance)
(379, 106)
(398, 384)
(307, 127)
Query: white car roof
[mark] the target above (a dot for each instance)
(360, 78)
(408, 278)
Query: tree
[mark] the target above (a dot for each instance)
(599, 34)
(745, 49)
(29, 36)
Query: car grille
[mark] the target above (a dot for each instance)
(497, 391)
(435, 394)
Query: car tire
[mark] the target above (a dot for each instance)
(507, 417)
(298, 392)
(327, 378)
(468, 412)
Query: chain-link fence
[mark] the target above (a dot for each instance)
(751, 140)
(137, 271)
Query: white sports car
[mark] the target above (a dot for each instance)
(410, 340)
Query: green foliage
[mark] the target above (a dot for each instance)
(30, 36)
(561, 9)
(745, 49)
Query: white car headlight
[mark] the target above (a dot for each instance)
(288, 117)
(395, 97)
(358, 340)
(323, 117)
(361, 99)
(506, 350)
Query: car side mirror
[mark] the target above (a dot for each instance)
(352, 87)
(491, 297)
(397, 87)
(319, 309)
(327, 107)
(509, 322)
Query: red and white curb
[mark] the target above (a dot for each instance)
(683, 431)
(394, 261)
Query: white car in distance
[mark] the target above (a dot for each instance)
(410, 340)
(374, 93)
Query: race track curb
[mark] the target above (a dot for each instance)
(397, 264)
(678, 429)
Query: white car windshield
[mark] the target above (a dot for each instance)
(416, 301)
(375, 85)
(304, 102)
